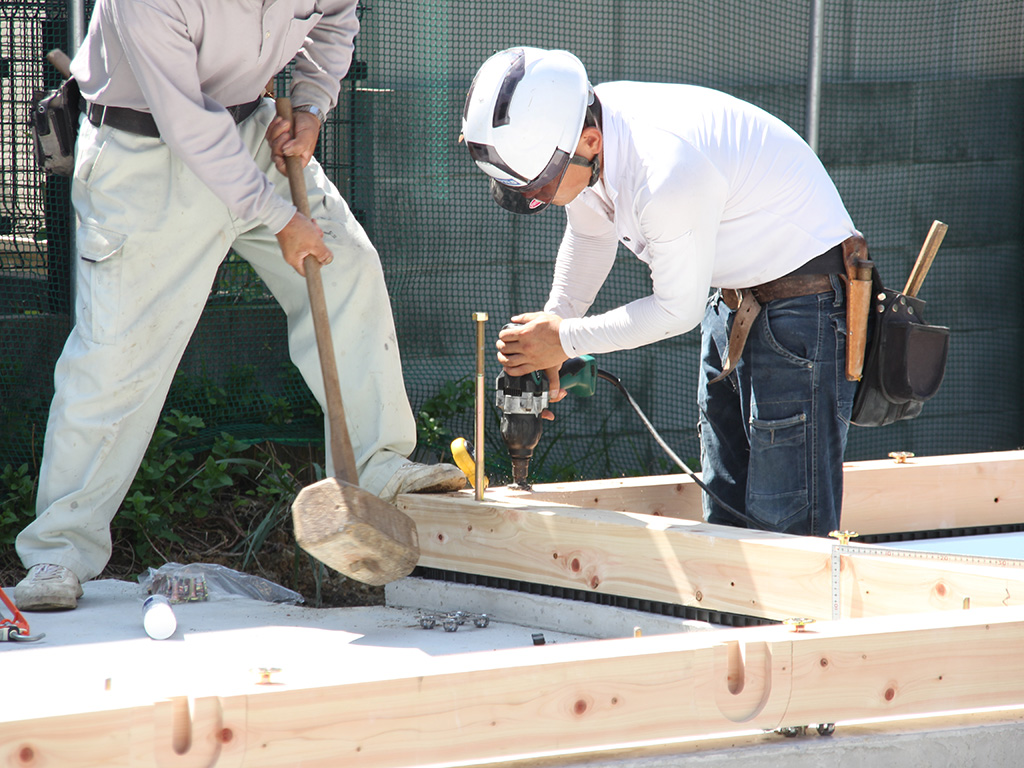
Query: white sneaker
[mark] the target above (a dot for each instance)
(423, 478)
(48, 588)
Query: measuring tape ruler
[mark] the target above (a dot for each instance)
(839, 550)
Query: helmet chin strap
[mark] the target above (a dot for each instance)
(593, 164)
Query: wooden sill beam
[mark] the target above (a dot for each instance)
(922, 494)
(581, 697)
(716, 568)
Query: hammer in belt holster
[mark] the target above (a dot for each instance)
(858, 303)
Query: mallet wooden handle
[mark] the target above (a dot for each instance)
(61, 61)
(341, 446)
(925, 258)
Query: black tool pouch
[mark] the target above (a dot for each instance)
(906, 360)
(54, 123)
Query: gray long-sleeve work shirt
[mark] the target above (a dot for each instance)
(186, 60)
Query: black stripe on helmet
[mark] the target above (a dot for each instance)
(515, 73)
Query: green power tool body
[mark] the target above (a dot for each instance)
(522, 400)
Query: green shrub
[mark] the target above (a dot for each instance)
(17, 501)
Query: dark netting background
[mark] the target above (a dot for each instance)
(922, 118)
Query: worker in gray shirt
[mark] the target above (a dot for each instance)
(180, 159)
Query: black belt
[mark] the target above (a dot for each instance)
(142, 123)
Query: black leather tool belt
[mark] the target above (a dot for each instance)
(142, 123)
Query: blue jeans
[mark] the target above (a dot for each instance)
(774, 431)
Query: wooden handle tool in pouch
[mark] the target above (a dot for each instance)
(858, 303)
(925, 258)
(340, 524)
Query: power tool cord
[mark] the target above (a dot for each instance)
(614, 381)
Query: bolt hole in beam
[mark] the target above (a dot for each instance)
(189, 733)
(736, 664)
(749, 671)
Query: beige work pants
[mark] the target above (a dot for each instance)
(150, 239)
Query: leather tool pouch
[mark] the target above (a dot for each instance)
(54, 122)
(906, 360)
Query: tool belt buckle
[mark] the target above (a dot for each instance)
(746, 310)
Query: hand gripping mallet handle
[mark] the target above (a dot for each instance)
(341, 445)
(925, 258)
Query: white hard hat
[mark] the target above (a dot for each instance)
(522, 121)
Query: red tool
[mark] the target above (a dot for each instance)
(17, 627)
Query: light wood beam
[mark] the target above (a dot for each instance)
(715, 568)
(922, 494)
(584, 697)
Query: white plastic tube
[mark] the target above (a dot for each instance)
(158, 617)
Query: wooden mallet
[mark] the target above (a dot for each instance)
(338, 523)
(925, 258)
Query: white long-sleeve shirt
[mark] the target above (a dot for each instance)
(186, 60)
(704, 188)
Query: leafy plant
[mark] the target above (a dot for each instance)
(275, 484)
(435, 421)
(17, 501)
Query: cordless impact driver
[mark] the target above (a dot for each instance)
(522, 399)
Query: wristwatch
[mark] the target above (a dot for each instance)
(314, 110)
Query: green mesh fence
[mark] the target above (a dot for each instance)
(921, 118)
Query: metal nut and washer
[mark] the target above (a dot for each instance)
(798, 625)
(844, 536)
(265, 674)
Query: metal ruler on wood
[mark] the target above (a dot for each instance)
(839, 550)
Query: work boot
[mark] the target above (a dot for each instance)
(48, 588)
(423, 478)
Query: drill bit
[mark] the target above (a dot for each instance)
(521, 433)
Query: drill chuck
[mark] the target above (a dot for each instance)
(526, 395)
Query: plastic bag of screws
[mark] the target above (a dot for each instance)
(197, 582)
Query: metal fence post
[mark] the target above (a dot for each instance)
(814, 63)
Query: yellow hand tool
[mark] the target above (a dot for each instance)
(464, 460)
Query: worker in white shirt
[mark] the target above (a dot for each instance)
(179, 159)
(736, 218)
